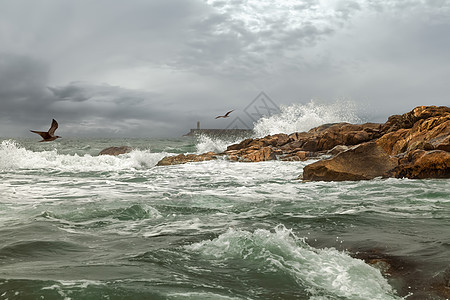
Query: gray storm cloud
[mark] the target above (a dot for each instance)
(153, 68)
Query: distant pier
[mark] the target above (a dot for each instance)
(219, 132)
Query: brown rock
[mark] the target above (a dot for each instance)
(289, 147)
(326, 137)
(277, 140)
(318, 139)
(338, 149)
(362, 162)
(233, 157)
(421, 164)
(394, 142)
(407, 120)
(115, 150)
(262, 154)
(186, 158)
(243, 144)
(298, 136)
(298, 156)
(325, 127)
(442, 143)
(257, 144)
(425, 134)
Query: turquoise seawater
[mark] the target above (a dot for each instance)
(75, 225)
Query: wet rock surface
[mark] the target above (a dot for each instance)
(115, 150)
(186, 158)
(361, 162)
(406, 276)
(421, 164)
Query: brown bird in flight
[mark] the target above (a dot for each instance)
(226, 115)
(50, 134)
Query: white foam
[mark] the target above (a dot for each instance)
(326, 272)
(13, 156)
(199, 295)
(299, 117)
(62, 287)
(215, 144)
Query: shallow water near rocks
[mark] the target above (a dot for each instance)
(75, 225)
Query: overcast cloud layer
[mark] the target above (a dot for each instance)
(153, 68)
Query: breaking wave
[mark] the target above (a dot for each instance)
(302, 117)
(215, 144)
(14, 156)
(323, 273)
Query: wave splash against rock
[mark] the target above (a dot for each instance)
(413, 145)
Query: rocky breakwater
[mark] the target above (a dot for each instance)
(413, 145)
(300, 146)
(325, 139)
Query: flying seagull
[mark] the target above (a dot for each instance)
(226, 115)
(50, 134)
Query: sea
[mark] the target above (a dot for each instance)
(76, 225)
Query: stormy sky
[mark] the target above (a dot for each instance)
(152, 68)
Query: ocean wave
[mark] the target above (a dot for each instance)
(13, 156)
(90, 213)
(30, 250)
(302, 117)
(325, 272)
(207, 143)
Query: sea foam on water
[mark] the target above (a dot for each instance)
(14, 156)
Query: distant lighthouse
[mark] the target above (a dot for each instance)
(198, 125)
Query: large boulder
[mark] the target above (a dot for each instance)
(362, 162)
(115, 150)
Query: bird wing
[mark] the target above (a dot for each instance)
(43, 134)
(229, 112)
(52, 129)
(219, 117)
